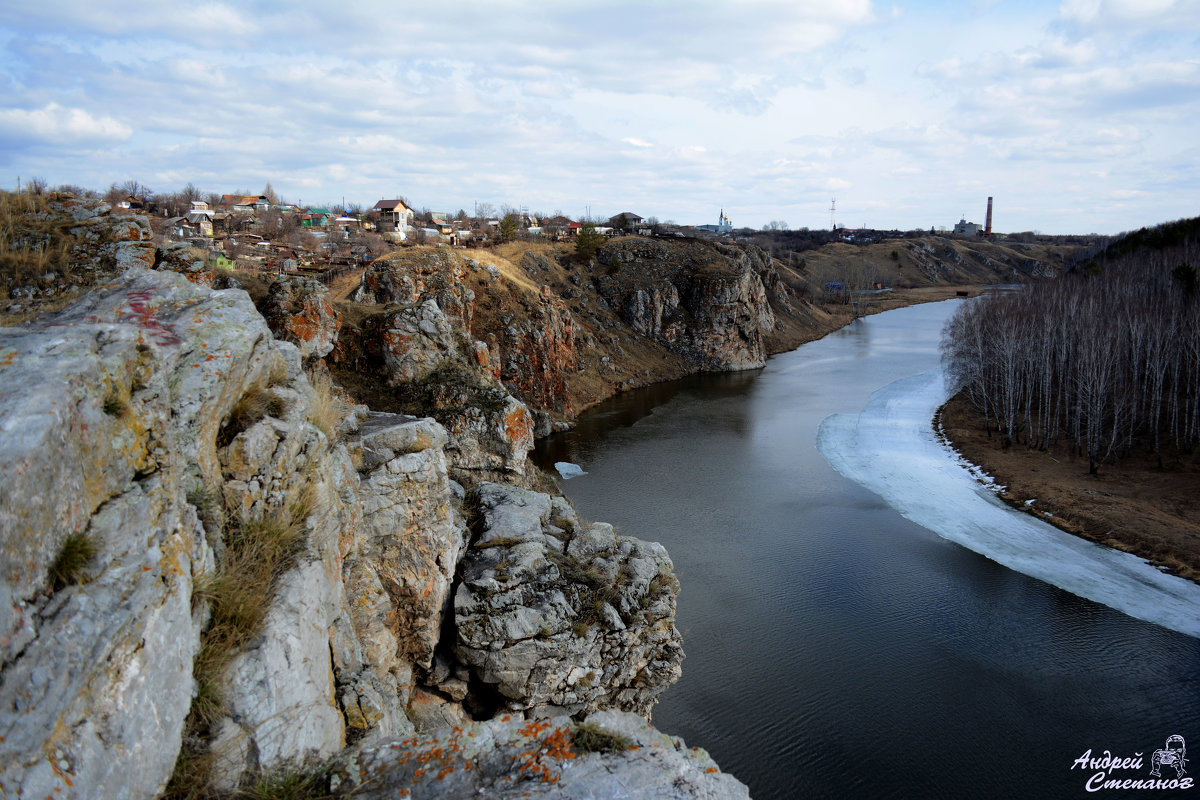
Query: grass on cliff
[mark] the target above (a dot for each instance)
(248, 410)
(34, 240)
(70, 567)
(329, 409)
(258, 552)
(588, 737)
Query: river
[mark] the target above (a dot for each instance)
(834, 647)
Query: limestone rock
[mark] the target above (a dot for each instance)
(298, 311)
(510, 758)
(408, 545)
(412, 277)
(187, 260)
(116, 422)
(419, 339)
(559, 618)
(158, 418)
(540, 354)
(430, 361)
(706, 302)
(97, 676)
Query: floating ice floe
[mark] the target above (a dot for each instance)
(892, 449)
(568, 470)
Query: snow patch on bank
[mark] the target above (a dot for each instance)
(892, 449)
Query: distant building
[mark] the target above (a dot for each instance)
(394, 215)
(626, 221)
(967, 228)
(245, 204)
(723, 226)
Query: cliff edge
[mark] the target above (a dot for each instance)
(215, 569)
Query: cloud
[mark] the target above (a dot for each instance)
(1110, 12)
(764, 107)
(55, 124)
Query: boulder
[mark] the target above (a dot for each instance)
(561, 618)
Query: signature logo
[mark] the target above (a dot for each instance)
(1105, 769)
(1173, 755)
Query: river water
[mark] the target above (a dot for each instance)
(837, 649)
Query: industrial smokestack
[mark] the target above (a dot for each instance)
(987, 225)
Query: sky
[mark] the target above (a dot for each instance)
(1079, 117)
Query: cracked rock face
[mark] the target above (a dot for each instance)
(707, 303)
(562, 618)
(298, 311)
(511, 758)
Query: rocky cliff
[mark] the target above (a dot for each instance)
(212, 569)
(548, 331)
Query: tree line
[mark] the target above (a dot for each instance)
(1104, 358)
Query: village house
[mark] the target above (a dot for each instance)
(626, 221)
(556, 226)
(245, 204)
(394, 216)
(316, 218)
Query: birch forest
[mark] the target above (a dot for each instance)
(1102, 360)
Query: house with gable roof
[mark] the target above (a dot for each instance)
(394, 216)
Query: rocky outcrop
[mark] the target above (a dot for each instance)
(107, 241)
(62, 243)
(162, 425)
(704, 301)
(430, 362)
(412, 277)
(612, 754)
(540, 354)
(298, 311)
(561, 618)
(187, 260)
(106, 413)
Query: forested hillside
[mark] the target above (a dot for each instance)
(1105, 358)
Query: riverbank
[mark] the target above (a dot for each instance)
(791, 331)
(1132, 506)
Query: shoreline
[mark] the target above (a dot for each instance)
(891, 449)
(1131, 506)
(785, 341)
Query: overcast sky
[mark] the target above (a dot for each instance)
(1079, 117)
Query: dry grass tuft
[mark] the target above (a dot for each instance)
(258, 552)
(252, 407)
(328, 408)
(191, 782)
(33, 240)
(589, 737)
(115, 406)
(74, 556)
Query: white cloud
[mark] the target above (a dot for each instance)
(58, 125)
(1118, 11)
(765, 107)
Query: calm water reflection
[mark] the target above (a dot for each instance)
(835, 649)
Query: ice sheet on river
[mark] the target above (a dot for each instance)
(891, 449)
